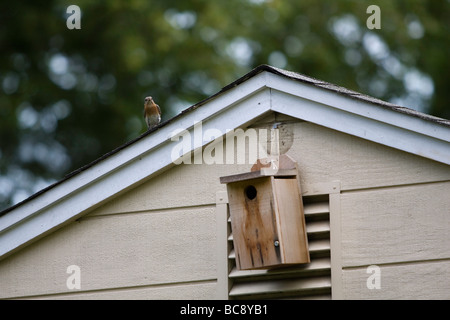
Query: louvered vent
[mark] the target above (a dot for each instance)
(309, 281)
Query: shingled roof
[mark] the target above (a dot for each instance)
(324, 104)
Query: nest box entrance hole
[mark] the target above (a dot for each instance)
(250, 192)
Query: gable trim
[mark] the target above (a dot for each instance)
(411, 135)
(120, 171)
(263, 91)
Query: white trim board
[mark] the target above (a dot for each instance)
(72, 198)
(406, 137)
(234, 107)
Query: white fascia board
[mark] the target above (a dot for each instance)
(234, 108)
(359, 118)
(356, 106)
(145, 157)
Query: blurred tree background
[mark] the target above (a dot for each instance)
(69, 96)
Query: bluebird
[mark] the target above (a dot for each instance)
(152, 113)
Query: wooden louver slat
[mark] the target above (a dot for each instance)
(302, 281)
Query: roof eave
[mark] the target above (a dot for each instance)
(264, 89)
(120, 170)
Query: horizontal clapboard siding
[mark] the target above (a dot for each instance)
(308, 281)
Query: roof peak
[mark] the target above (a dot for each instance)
(279, 91)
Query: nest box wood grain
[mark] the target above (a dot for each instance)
(267, 216)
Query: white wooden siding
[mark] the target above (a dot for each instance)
(137, 251)
(323, 156)
(183, 291)
(159, 240)
(409, 223)
(405, 232)
(404, 281)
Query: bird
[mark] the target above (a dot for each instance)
(152, 113)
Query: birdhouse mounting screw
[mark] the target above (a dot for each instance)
(276, 243)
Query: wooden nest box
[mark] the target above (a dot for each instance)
(267, 217)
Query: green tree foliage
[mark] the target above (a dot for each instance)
(69, 96)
